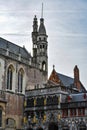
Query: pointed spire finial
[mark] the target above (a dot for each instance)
(42, 11)
(53, 67)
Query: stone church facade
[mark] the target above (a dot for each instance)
(19, 71)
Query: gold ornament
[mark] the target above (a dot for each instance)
(35, 102)
(25, 103)
(45, 102)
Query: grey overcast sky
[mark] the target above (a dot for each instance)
(66, 26)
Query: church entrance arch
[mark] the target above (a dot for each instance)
(29, 129)
(40, 128)
(53, 126)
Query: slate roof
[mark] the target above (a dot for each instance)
(67, 81)
(79, 97)
(4, 44)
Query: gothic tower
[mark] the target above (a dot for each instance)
(40, 44)
(42, 57)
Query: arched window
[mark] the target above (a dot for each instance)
(20, 80)
(10, 122)
(40, 101)
(40, 46)
(49, 100)
(55, 100)
(39, 38)
(43, 46)
(44, 65)
(30, 102)
(9, 77)
(44, 39)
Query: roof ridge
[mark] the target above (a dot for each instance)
(11, 42)
(65, 75)
(16, 49)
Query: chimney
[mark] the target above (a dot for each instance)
(76, 74)
(76, 78)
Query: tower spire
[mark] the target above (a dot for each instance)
(42, 11)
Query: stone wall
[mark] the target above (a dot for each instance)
(14, 108)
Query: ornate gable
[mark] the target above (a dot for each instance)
(54, 77)
(60, 79)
